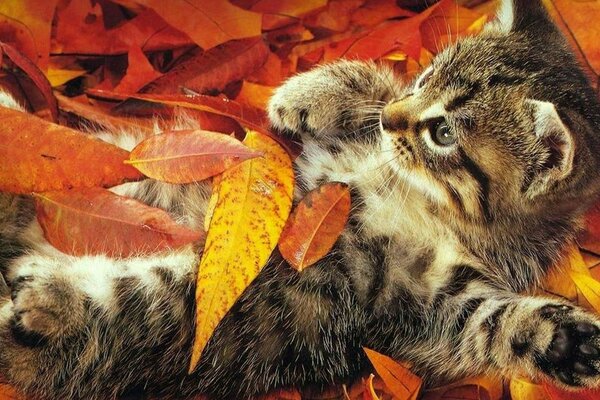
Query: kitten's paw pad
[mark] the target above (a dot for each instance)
(573, 356)
(43, 307)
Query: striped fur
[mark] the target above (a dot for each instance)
(443, 244)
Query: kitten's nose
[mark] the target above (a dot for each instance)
(394, 117)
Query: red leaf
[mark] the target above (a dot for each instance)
(315, 225)
(557, 393)
(213, 69)
(188, 156)
(40, 156)
(33, 73)
(96, 221)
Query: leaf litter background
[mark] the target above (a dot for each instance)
(118, 64)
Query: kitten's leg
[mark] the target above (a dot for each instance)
(483, 330)
(333, 101)
(88, 327)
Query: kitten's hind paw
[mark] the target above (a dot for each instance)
(573, 356)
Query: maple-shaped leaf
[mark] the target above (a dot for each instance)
(213, 69)
(208, 23)
(315, 225)
(39, 156)
(402, 383)
(188, 156)
(97, 221)
(253, 202)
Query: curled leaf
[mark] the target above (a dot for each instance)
(188, 156)
(97, 221)
(39, 156)
(314, 226)
(255, 196)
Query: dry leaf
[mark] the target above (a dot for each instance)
(483, 387)
(139, 72)
(188, 156)
(40, 156)
(556, 393)
(521, 389)
(369, 391)
(208, 23)
(589, 287)
(315, 225)
(27, 24)
(97, 221)
(402, 383)
(33, 73)
(255, 196)
(213, 69)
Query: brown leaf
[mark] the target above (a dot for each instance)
(208, 23)
(213, 69)
(188, 156)
(402, 383)
(33, 73)
(40, 156)
(97, 221)
(315, 225)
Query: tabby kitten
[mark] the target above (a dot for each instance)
(466, 187)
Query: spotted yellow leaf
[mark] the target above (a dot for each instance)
(253, 202)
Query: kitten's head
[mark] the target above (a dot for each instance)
(502, 124)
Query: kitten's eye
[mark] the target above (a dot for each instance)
(442, 135)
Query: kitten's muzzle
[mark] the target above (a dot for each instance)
(395, 116)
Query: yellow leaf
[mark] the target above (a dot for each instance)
(402, 383)
(58, 76)
(590, 288)
(254, 201)
(369, 393)
(524, 390)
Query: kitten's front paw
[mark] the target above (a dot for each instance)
(45, 305)
(331, 100)
(573, 356)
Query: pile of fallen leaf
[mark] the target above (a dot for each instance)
(120, 64)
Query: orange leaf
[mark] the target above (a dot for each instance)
(139, 72)
(208, 23)
(589, 287)
(188, 156)
(26, 25)
(97, 221)
(255, 196)
(40, 156)
(287, 8)
(213, 69)
(478, 388)
(369, 392)
(315, 225)
(574, 17)
(255, 95)
(402, 383)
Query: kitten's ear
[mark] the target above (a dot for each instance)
(521, 15)
(557, 162)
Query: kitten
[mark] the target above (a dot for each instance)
(466, 187)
